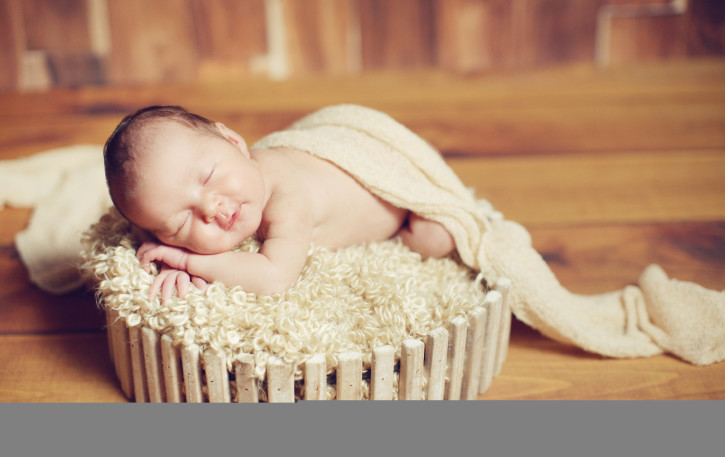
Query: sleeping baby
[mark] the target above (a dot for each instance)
(196, 187)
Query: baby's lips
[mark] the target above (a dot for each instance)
(233, 218)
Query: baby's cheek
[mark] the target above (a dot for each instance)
(166, 239)
(206, 240)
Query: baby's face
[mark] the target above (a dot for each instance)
(196, 191)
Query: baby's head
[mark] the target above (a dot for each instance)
(135, 136)
(183, 178)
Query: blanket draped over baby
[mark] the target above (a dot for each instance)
(661, 315)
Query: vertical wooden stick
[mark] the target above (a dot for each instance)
(171, 363)
(122, 353)
(503, 286)
(349, 376)
(436, 351)
(280, 381)
(246, 382)
(458, 331)
(381, 373)
(474, 351)
(492, 303)
(191, 365)
(316, 378)
(140, 389)
(217, 377)
(152, 361)
(109, 333)
(410, 385)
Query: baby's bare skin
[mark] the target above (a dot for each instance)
(201, 196)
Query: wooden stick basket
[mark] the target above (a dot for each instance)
(458, 362)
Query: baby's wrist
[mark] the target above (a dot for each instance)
(194, 264)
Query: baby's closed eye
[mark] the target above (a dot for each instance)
(182, 224)
(209, 176)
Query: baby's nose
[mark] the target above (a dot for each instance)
(213, 209)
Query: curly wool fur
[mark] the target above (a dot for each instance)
(352, 299)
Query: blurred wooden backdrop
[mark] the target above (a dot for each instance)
(68, 43)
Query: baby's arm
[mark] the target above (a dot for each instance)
(273, 269)
(276, 266)
(287, 236)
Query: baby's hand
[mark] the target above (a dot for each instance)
(170, 278)
(173, 272)
(151, 251)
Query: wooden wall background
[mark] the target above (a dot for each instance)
(68, 43)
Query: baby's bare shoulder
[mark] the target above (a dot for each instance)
(289, 213)
(319, 196)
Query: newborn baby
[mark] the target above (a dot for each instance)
(195, 186)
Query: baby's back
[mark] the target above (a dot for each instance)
(343, 212)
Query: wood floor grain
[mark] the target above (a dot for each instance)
(541, 369)
(63, 367)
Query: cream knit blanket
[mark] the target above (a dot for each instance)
(397, 165)
(67, 189)
(661, 314)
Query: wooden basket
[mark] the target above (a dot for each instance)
(458, 362)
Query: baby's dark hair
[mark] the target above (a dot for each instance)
(131, 136)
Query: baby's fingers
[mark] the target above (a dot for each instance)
(172, 256)
(200, 283)
(158, 282)
(145, 255)
(182, 283)
(167, 281)
(167, 290)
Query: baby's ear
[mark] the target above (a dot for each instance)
(235, 138)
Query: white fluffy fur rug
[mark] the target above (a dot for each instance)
(353, 299)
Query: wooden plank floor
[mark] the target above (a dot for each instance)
(609, 169)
